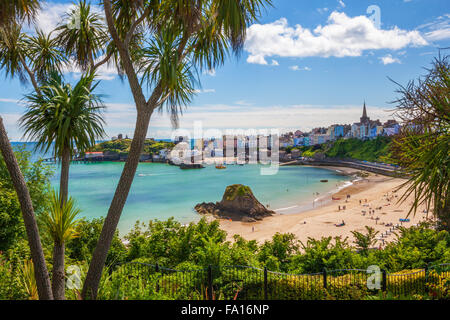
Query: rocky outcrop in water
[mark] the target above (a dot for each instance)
(238, 203)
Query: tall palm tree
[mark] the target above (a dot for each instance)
(29, 219)
(60, 223)
(10, 10)
(179, 37)
(65, 118)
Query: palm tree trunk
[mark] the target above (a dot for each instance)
(64, 179)
(58, 274)
(115, 210)
(34, 240)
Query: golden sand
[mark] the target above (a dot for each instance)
(375, 192)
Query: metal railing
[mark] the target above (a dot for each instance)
(249, 283)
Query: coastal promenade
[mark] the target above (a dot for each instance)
(382, 169)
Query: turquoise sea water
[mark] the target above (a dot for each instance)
(161, 191)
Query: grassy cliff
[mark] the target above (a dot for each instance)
(370, 150)
(122, 146)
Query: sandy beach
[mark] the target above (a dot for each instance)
(372, 202)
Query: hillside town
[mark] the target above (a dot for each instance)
(245, 147)
(364, 129)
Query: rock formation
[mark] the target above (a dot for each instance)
(239, 203)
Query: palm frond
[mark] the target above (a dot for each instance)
(83, 34)
(60, 221)
(46, 57)
(62, 116)
(13, 10)
(12, 51)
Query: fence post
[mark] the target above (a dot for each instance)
(325, 278)
(384, 283)
(157, 279)
(210, 280)
(426, 277)
(265, 284)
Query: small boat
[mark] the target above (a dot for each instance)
(323, 180)
(221, 167)
(184, 166)
(335, 198)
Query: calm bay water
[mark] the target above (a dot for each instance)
(161, 191)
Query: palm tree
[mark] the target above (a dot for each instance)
(175, 39)
(83, 35)
(45, 55)
(29, 58)
(10, 10)
(65, 118)
(60, 223)
(34, 241)
(423, 147)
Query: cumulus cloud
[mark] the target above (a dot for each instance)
(389, 59)
(342, 36)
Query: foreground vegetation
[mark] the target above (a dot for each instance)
(196, 246)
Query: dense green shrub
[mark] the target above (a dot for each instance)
(37, 176)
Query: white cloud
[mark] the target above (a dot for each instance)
(388, 59)
(104, 72)
(275, 63)
(205, 90)
(297, 68)
(257, 59)
(6, 100)
(342, 36)
(437, 30)
(341, 3)
(121, 118)
(243, 103)
(211, 72)
(50, 15)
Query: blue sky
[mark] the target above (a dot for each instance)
(305, 64)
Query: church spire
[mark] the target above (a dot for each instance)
(364, 118)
